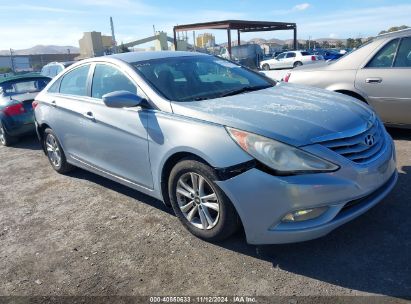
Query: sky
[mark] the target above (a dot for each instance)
(28, 23)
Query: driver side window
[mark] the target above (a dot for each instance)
(107, 79)
(385, 56)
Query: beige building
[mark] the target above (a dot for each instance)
(205, 40)
(94, 44)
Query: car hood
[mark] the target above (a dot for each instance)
(294, 114)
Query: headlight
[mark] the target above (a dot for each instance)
(282, 158)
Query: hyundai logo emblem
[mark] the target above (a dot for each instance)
(369, 140)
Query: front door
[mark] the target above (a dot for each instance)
(117, 138)
(386, 80)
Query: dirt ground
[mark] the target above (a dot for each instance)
(85, 235)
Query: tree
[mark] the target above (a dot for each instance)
(350, 43)
(5, 70)
(394, 29)
(357, 42)
(339, 44)
(325, 44)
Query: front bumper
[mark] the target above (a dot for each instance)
(262, 200)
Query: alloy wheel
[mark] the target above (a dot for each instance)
(2, 136)
(198, 201)
(53, 150)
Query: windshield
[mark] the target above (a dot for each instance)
(199, 77)
(24, 86)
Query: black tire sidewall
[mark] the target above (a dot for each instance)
(297, 64)
(8, 140)
(227, 217)
(266, 67)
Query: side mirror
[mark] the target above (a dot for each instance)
(122, 99)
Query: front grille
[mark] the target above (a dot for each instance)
(362, 147)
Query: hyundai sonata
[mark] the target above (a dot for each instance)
(223, 145)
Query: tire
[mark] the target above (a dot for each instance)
(266, 67)
(297, 64)
(219, 219)
(55, 153)
(5, 139)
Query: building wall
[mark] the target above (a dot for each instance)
(34, 62)
(94, 44)
(204, 40)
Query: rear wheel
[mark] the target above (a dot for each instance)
(201, 206)
(55, 153)
(266, 67)
(297, 64)
(6, 139)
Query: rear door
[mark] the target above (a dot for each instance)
(67, 116)
(278, 62)
(386, 80)
(289, 60)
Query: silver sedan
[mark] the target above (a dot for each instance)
(378, 73)
(224, 146)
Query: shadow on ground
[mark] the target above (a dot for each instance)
(402, 134)
(370, 254)
(29, 142)
(106, 183)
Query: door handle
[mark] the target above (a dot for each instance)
(53, 103)
(373, 80)
(89, 115)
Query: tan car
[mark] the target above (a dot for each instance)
(378, 73)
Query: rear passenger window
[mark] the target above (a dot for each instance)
(403, 59)
(108, 79)
(290, 55)
(75, 82)
(385, 56)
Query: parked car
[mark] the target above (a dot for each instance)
(221, 144)
(290, 59)
(378, 73)
(16, 113)
(248, 55)
(328, 54)
(52, 69)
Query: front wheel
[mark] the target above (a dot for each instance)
(55, 153)
(201, 206)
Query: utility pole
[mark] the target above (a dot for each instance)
(113, 37)
(12, 60)
(309, 42)
(194, 40)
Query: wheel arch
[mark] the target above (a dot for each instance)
(352, 94)
(171, 161)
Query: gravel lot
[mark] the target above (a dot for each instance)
(84, 235)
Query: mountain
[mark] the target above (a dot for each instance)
(43, 49)
(280, 42)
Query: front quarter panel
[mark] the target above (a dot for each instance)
(169, 134)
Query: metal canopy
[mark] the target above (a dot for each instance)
(242, 26)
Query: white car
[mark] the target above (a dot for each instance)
(290, 59)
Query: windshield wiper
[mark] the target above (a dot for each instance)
(243, 90)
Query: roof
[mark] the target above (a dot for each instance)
(22, 76)
(241, 25)
(400, 33)
(142, 56)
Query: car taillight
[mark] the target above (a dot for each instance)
(313, 58)
(15, 109)
(287, 77)
(34, 104)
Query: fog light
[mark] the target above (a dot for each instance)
(304, 215)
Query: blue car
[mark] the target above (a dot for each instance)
(328, 55)
(16, 111)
